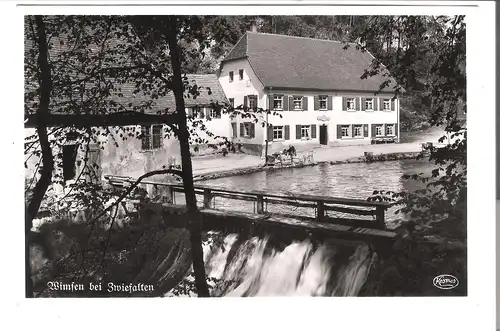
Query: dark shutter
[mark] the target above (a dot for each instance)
(329, 105)
(352, 131)
(285, 102)
(375, 103)
(304, 103)
(252, 130)
(242, 129)
(245, 101)
(374, 132)
(270, 132)
(235, 130)
(207, 112)
(313, 131)
(287, 132)
(363, 104)
(339, 131)
(396, 130)
(393, 104)
(365, 130)
(146, 136)
(344, 103)
(297, 132)
(356, 104)
(256, 103)
(290, 103)
(316, 102)
(271, 101)
(94, 163)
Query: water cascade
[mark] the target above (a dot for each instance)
(255, 267)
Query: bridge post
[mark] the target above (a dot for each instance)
(260, 204)
(320, 210)
(380, 216)
(207, 198)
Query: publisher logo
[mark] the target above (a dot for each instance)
(445, 282)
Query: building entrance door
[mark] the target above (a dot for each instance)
(323, 134)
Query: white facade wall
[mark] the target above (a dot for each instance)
(333, 118)
(251, 85)
(237, 90)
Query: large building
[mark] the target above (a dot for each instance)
(317, 88)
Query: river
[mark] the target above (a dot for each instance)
(252, 267)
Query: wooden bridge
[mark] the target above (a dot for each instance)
(294, 215)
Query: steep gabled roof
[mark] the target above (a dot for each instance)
(304, 63)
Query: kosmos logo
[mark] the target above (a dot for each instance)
(445, 282)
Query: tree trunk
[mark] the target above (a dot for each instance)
(47, 158)
(187, 169)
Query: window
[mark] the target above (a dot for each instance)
(358, 131)
(305, 131)
(69, 161)
(387, 104)
(214, 113)
(152, 137)
(278, 102)
(241, 74)
(369, 104)
(389, 129)
(252, 101)
(231, 102)
(297, 103)
(323, 102)
(346, 131)
(379, 130)
(350, 104)
(278, 133)
(231, 76)
(247, 129)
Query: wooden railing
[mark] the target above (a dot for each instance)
(320, 204)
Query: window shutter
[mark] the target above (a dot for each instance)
(329, 101)
(285, 102)
(344, 103)
(270, 98)
(375, 103)
(256, 102)
(363, 104)
(365, 130)
(352, 131)
(270, 132)
(245, 101)
(396, 130)
(297, 132)
(290, 103)
(393, 105)
(304, 103)
(313, 131)
(94, 162)
(252, 130)
(242, 130)
(235, 128)
(374, 130)
(207, 112)
(146, 134)
(189, 111)
(339, 131)
(356, 104)
(287, 132)
(316, 102)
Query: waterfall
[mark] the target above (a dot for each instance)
(254, 267)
